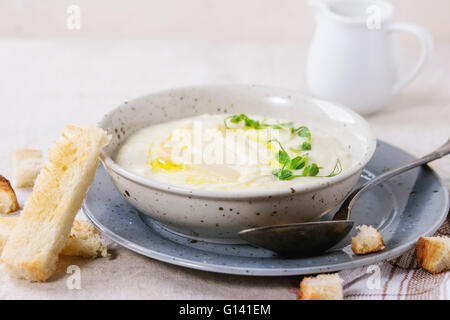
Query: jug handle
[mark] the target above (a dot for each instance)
(426, 44)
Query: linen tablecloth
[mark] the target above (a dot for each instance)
(47, 84)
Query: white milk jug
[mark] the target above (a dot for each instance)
(353, 56)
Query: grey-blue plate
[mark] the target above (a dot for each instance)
(411, 205)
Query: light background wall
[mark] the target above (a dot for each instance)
(211, 20)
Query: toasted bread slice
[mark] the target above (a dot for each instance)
(433, 254)
(321, 287)
(368, 240)
(27, 163)
(7, 224)
(34, 245)
(84, 240)
(8, 200)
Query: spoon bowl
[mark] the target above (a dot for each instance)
(311, 238)
(298, 239)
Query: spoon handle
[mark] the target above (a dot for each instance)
(437, 154)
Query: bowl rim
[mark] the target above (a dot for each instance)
(109, 163)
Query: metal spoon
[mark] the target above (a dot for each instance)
(310, 238)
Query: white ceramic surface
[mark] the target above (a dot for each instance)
(218, 215)
(353, 55)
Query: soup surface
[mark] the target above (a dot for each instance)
(235, 153)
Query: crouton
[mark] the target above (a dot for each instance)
(8, 200)
(367, 240)
(84, 241)
(321, 287)
(433, 254)
(27, 163)
(7, 224)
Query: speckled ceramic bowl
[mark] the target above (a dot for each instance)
(218, 216)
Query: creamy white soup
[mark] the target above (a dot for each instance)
(234, 153)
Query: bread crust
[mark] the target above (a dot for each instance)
(8, 199)
(33, 247)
